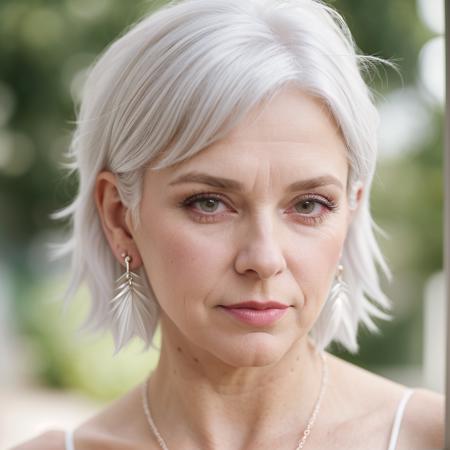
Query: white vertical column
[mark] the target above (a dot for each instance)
(434, 333)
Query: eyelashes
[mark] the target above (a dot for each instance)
(209, 207)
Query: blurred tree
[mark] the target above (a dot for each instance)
(390, 29)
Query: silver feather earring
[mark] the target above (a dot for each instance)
(341, 306)
(339, 291)
(130, 308)
(336, 312)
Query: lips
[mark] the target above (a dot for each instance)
(253, 304)
(257, 314)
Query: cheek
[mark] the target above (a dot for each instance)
(315, 266)
(181, 263)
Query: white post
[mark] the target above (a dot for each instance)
(434, 333)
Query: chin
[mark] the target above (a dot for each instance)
(255, 350)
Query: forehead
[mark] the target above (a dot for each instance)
(292, 135)
(292, 115)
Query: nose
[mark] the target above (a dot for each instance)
(260, 252)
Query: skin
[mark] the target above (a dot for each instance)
(221, 384)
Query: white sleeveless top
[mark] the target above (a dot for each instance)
(392, 441)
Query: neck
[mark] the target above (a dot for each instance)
(196, 398)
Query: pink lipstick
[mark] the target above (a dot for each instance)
(257, 313)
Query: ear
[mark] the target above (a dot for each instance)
(355, 198)
(113, 216)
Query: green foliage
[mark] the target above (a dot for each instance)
(86, 362)
(389, 29)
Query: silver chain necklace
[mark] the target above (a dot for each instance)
(302, 441)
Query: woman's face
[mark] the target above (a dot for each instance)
(260, 216)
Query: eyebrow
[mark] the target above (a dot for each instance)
(233, 185)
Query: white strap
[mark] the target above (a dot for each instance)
(69, 440)
(398, 419)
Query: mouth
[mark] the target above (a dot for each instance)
(257, 305)
(256, 313)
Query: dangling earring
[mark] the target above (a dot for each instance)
(339, 292)
(130, 308)
(335, 317)
(340, 303)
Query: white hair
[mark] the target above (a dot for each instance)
(182, 78)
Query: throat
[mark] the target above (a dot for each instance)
(246, 406)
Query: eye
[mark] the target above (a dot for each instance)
(313, 210)
(204, 203)
(207, 204)
(306, 206)
(208, 207)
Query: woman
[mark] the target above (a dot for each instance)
(225, 151)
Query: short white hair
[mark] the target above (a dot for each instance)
(182, 78)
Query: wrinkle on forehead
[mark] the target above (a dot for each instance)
(267, 164)
(293, 137)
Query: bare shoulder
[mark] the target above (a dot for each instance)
(50, 440)
(366, 404)
(371, 401)
(423, 423)
(106, 430)
(88, 436)
(362, 389)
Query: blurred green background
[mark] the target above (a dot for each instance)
(45, 48)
